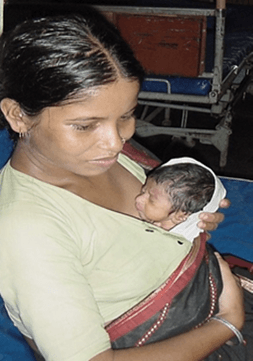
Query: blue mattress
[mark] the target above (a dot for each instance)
(178, 85)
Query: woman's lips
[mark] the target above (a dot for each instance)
(105, 162)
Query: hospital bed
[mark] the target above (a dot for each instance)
(234, 235)
(196, 60)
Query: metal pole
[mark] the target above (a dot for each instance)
(221, 4)
(219, 44)
(1, 16)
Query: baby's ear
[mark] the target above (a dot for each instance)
(180, 216)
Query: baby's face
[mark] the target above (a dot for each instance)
(152, 203)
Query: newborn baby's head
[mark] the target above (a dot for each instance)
(172, 193)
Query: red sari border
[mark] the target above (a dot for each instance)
(160, 297)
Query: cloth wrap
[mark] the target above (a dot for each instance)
(189, 228)
(187, 300)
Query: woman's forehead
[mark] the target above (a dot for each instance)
(113, 100)
(92, 94)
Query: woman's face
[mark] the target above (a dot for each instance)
(84, 137)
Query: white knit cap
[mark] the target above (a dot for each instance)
(189, 228)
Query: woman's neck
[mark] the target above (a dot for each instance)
(114, 189)
(24, 161)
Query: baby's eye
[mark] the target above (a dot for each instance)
(143, 190)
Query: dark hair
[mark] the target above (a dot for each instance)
(57, 58)
(189, 186)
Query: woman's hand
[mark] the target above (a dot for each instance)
(210, 221)
(231, 299)
(224, 203)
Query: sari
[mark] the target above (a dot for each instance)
(186, 300)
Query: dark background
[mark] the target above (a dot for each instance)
(240, 155)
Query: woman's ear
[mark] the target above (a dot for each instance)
(14, 115)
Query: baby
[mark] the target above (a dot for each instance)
(177, 192)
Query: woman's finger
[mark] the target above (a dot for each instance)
(225, 203)
(210, 221)
(207, 217)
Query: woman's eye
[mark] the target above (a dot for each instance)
(82, 128)
(128, 117)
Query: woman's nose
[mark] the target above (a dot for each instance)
(112, 139)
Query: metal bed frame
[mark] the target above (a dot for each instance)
(218, 103)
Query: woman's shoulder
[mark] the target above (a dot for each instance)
(132, 167)
(17, 188)
(26, 201)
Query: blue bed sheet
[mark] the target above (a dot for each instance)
(234, 236)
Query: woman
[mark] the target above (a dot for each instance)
(73, 254)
